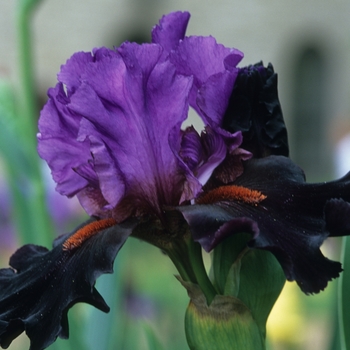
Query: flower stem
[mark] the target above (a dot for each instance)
(188, 259)
(177, 242)
(179, 255)
(203, 280)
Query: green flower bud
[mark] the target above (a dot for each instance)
(225, 324)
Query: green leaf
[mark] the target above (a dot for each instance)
(251, 275)
(12, 147)
(23, 174)
(224, 255)
(261, 282)
(344, 292)
(233, 279)
(152, 338)
(107, 331)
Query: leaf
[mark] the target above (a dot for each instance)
(11, 146)
(152, 338)
(344, 292)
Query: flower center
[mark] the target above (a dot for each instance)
(84, 233)
(233, 192)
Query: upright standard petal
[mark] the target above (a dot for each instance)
(204, 58)
(170, 30)
(212, 65)
(254, 109)
(284, 214)
(125, 107)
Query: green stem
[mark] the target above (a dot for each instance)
(29, 107)
(203, 280)
(40, 225)
(180, 258)
(188, 259)
(178, 244)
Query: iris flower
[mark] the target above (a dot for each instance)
(111, 134)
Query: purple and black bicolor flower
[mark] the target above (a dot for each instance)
(111, 134)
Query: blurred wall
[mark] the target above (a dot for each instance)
(278, 31)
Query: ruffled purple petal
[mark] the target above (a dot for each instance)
(123, 107)
(42, 285)
(58, 145)
(202, 57)
(215, 152)
(70, 74)
(212, 65)
(109, 175)
(170, 30)
(202, 154)
(292, 221)
(213, 97)
(191, 151)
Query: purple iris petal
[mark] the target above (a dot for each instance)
(70, 74)
(124, 108)
(292, 221)
(213, 97)
(202, 57)
(212, 65)
(191, 151)
(58, 143)
(202, 154)
(215, 150)
(214, 154)
(171, 30)
(117, 116)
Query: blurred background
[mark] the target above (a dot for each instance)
(308, 44)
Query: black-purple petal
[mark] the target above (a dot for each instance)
(254, 109)
(42, 285)
(292, 221)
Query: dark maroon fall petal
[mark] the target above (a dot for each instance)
(292, 221)
(42, 285)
